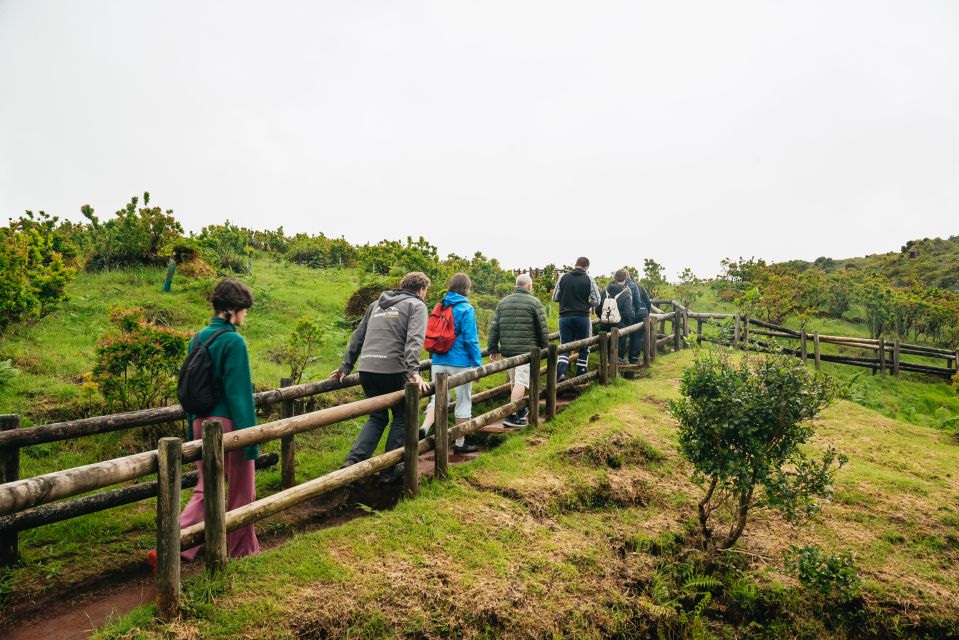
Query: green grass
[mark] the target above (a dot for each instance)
(549, 535)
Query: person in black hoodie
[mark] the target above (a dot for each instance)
(619, 292)
(577, 294)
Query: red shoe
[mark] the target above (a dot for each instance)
(152, 560)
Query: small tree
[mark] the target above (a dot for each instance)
(742, 427)
(653, 279)
(687, 291)
(302, 348)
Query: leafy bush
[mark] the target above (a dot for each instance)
(134, 237)
(742, 428)
(363, 297)
(137, 363)
(226, 246)
(321, 252)
(33, 276)
(653, 279)
(834, 577)
(271, 241)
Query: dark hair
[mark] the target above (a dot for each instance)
(620, 276)
(231, 295)
(582, 262)
(414, 281)
(460, 283)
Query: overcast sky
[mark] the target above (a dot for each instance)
(532, 131)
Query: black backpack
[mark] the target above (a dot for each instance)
(195, 389)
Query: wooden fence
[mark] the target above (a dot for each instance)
(881, 355)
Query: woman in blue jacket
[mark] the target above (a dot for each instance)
(462, 356)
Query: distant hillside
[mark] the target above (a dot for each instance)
(934, 262)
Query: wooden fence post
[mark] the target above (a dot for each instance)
(647, 336)
(736, 329)
(746, 330)
(287, 450)
(677, 329)
(882, 356)
(169, 476)
(613, 353)
(552, 359)
(685, 324)
(803, 348)
(441, 423)
(699, 330)
(651, 338)
(9, 472)
(895, 358)
(214, 497)
(603, 357)
(534, 358)
(815, 348)
(411, 480)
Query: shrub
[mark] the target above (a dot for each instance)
(742, 428)
(320, 252)
(302, 347)
(33, 276)
(145, 236)
(226, 246)
(834, 577)
(363, 297)
(137, 363)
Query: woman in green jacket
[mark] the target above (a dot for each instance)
(235, 410)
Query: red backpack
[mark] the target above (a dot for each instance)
(440, 332)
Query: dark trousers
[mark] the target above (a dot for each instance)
(377, 384)
(622, 341)
(636, 340)
(571, 329)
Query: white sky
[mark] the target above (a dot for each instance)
(533, 131)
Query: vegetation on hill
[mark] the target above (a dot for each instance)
(583, 528)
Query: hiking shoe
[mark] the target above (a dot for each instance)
(393, 475)
(518, 420)
(349, 462)
(152, 560)
(423, 432)
(466, 448)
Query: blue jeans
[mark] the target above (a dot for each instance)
(571, 329)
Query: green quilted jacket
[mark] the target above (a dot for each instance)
(519, 325)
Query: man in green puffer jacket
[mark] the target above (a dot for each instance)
(519, 326)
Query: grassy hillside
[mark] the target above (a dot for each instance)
(934, 262)
(571, 531)
(54, 352)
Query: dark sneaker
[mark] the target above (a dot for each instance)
(392, 475)
(518, 421)
(349, 462)
(466, 448)
(423, 432)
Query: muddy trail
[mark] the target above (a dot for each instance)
(73, 614)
